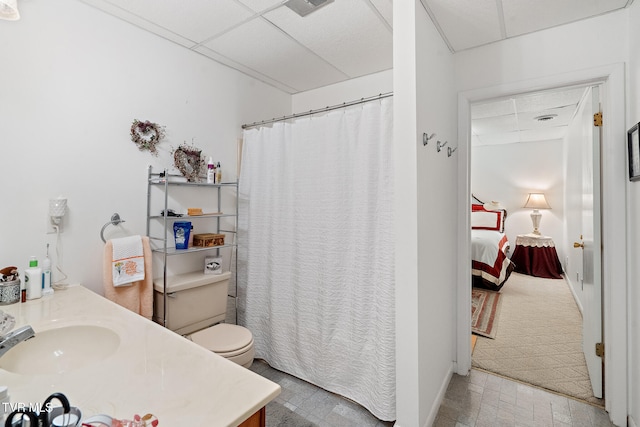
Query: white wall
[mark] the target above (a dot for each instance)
(509, 172)
(581, 45)
(349, 90)
(584, 49)
(437, 186)
(424, 101)
(74, 79)
(633, 116)
(406, 222)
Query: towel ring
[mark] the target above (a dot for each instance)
(115, 220)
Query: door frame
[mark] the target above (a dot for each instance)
(614, 228)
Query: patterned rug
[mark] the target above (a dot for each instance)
(485, 310)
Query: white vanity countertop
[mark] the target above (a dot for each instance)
(152, 371)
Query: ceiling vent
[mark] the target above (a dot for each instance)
(305, 7)
(545, 117)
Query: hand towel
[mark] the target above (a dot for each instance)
(127, 261)
(139, 296)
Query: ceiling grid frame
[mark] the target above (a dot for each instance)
(156, 16)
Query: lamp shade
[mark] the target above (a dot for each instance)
(537, 201)
(9, 10)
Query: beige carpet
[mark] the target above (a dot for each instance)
(539, 340)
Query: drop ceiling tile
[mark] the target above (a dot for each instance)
(492, 109)
(547, 100)
(253, 73)
(526, 16)
(139, 22)
(365, 44)
(259, 46)
(489, 125)
(467, 23)
(563, 117)
(385, 7)
(195, 20)
(260, 5)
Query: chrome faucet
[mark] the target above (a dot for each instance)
(14, 338)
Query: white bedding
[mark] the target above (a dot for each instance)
(485, 245)
(489, 263)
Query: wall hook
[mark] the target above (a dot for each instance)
(440, 145)
(450, 151)
(426, 138)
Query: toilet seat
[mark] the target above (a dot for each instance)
(232, 342)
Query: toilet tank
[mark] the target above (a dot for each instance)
(194, 301)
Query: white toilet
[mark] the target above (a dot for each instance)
(195, 301)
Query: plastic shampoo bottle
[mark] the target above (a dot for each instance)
(33, 279)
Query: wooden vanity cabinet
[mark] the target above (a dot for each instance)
(256, 420)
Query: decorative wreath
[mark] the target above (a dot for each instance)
(146, 135)
(189, 161)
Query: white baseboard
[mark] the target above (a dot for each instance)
(439, 398)
(573, 292)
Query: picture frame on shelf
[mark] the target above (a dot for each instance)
(633, 145)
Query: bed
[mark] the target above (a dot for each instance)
(490, 265)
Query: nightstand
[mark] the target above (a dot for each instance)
(536, 255)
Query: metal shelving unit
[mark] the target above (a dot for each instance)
(165, 181)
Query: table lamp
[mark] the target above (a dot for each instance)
(536, 201)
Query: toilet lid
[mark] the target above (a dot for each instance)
(223, 338)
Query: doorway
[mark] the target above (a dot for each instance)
(614, 221)
(536, 144)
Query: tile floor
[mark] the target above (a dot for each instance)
(478, 400)
(313, 404)
(485, 400)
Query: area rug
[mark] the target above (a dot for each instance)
(540, 338)
(485, 310)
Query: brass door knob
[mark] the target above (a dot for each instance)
(578, 245)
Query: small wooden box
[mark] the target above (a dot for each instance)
(206, 240)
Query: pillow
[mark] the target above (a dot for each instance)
(482, 219)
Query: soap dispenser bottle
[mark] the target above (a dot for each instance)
(33, 279)
(219, 174)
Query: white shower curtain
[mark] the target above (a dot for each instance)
(316, 251)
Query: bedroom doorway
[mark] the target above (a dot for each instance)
(614, 224)
(527, 143)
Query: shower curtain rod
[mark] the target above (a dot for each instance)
(319, 110)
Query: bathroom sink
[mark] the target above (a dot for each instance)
(60, 350)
